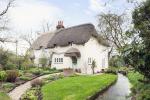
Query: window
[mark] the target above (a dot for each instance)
(55, 45)
(41, 47)
(90, 60)
(74, 60)
(61, 59)
(55, 60)
(58, 60)
(103, 62)
(70, 43)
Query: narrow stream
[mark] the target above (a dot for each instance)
(119, 91)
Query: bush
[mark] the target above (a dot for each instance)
(37, 82)
(37, 72)
(10, 66)
(21, 73)
(51, 78)
(3, 75)
(7, 86)
(123, 70)
(43, 61)
(12, 75)
(145, 95)
(52, 69)
(112, 70)
(30, 94)
(25, 78)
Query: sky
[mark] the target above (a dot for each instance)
(28, 16)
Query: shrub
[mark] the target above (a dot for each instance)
(25, 78)
(37, 72)
(37, 82)
(123, 70)
(145, 95)
(112, 70)
(43, 61)
(3, 75)
(7, 86)
(51, 78)
(30, 95)
(12, 75)
(21, 73)
(52, 69)
(93, 66)
(10, 66)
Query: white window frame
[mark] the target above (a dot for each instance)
(90, 60)
(103, 63)
(58, 60)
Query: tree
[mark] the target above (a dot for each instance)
(93, 66)
(138, 52)
(3, 20)
(3, 58)
(43, 61)
(29, 38)
(116, 61)
(112, 28)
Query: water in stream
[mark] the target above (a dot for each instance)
(119, 91)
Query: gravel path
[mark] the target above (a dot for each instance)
(20, 90)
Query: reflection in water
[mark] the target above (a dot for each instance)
(119, 91)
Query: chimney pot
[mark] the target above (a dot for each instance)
(60, 25)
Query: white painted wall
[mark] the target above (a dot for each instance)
(91, 49)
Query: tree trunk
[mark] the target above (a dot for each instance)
(93, 70)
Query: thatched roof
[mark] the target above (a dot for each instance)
(77, 35)
(42, 41)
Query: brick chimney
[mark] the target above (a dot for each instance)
(60, 25)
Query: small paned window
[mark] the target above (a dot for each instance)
(90, 60)
(55, 60)
(58, 60)
(61, 59)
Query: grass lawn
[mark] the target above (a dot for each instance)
(4, 96)
(76, 88)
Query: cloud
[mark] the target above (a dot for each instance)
(30, 14)
(96, 5)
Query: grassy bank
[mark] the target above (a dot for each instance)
(4, 96)
(76, 88)
(139, 89)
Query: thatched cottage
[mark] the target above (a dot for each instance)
(74, 47)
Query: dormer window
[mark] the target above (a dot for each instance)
(41, 47)
(70, 43)
(55, 45)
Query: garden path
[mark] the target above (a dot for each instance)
(20, 90)
(119, 91)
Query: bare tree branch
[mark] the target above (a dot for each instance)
(111, 27)
(10, 3)
(4, 22)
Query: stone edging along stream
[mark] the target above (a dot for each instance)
(93, 97)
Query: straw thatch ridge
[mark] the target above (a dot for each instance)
(63, 37)
(77, 35)
(42, 41)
